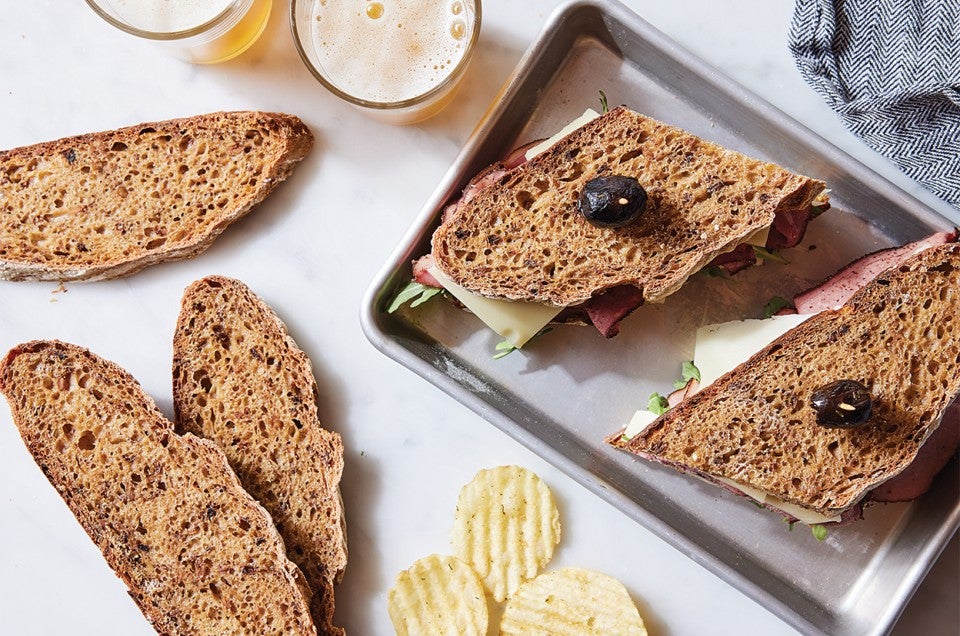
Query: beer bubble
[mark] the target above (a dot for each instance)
(458, 29)
(374, 10)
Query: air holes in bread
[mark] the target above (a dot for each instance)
(629, 156)
(524, 199)
(86, 441)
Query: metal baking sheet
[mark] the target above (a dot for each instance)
(563, 394)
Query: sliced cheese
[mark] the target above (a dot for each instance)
(587, 116)
(516, 321)
(639, 421)
(803, 515)
(720, 348)
(758, 238)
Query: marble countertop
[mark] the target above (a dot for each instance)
(311, 250)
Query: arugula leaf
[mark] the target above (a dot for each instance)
(688, 371)
(416, 292)
(604, 106)
(819, 531)
(774, 305)
(657, 404)
(715, 271)
(504, 347)
(818, 209)
(427, 294)
(769, 255)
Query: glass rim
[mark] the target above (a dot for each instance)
(416, 100)
(183, 34)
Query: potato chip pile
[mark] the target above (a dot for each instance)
(505, 529)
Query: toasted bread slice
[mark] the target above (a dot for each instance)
(899, 336)
(109, 204)
(240, 380)
(522, 238)
(198, 554)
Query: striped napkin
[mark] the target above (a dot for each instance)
(891, 70)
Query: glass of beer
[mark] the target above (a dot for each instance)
(198, 31)
(399, 61)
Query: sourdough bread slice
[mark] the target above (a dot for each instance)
(240, 380)
(109, 204)
(198, 554)
(899, 336)
(522, 237)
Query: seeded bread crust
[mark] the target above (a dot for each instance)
(108, 204)
(198, 554)
(240, 380)
(899, 336)
(522, 238)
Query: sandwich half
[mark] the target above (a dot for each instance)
(519, 234)
(766, 426)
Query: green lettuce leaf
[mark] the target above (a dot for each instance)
(415, 293)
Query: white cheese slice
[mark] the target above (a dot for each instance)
(516, 321)
(804, 515)
(587, 116)
(639, 421)
(720, 348)
(758, 238)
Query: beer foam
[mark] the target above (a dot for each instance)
(390, 50)
(166, 16)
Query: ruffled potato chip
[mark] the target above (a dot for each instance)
(572, 602)
(439, 595)
(506, 526)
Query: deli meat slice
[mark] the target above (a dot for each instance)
(609, 308)
(917, 478)
(788, 228)
(740, 258)
(421, 271)
(836, 290)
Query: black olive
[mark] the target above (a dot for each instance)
(612, 201)
(842, 404)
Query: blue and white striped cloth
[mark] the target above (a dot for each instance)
(891, 71)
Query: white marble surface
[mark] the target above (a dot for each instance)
(310, 251)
